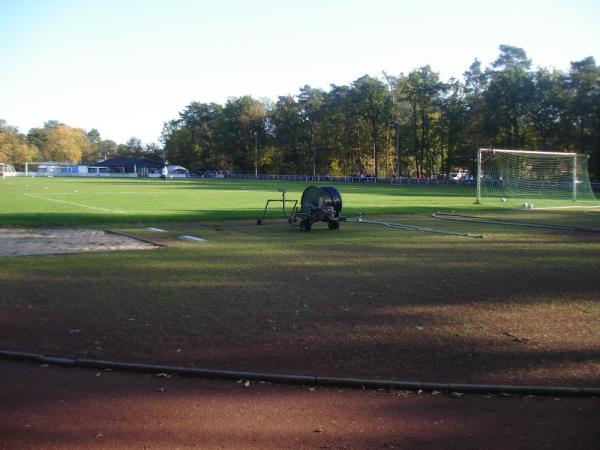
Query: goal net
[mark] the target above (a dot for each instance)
(7, 170)
(48, 169)
(519, 178)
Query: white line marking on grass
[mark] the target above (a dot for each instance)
(563, 207)
(81, 205)
(186, 237)
(112, 192)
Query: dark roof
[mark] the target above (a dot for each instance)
(130, 162)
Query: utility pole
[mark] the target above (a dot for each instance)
(398, 148)
(255, 154)
(375, 174)
(314, 152)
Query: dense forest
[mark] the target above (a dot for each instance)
(409, 125)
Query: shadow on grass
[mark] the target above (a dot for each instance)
(494, 315)
(88, 219)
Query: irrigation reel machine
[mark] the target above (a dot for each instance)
(318, 204)
(324, 204)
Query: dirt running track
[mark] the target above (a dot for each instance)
(66, 408)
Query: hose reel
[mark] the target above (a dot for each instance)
(318, 204)
(324, 204)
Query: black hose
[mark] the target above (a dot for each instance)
(360, 383)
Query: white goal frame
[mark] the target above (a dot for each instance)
(7, 170)
(55, 168)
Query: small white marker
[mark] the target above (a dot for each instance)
(157, 230)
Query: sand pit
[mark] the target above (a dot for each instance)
(52, 241)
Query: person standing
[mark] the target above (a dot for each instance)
(164, 172)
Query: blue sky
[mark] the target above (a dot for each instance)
(126, 67)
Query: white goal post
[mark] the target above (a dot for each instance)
(523, 175)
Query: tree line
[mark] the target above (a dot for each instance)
(56, 141)
(412, 124)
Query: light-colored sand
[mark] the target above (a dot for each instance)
(50, 241)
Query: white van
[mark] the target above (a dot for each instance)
(456, 176)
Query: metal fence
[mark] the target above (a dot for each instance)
(365, 180)
(305, 178)
(351, 179)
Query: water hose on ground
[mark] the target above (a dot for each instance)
(415, 228)
(520, 223)
(313, 380)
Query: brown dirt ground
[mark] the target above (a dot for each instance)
(52, 241)
(402, 322)
(57, 408)
(51, 408)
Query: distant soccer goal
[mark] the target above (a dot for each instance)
(521, 178)
(7, 170)
(49, 169)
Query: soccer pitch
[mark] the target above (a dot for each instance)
(83, 201)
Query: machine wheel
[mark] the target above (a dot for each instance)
(305, 225)
(333, 224)
(259, 222)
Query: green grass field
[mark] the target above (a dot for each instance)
(58, 201)
(84, 201)
(520, 306)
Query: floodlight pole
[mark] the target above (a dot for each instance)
(398, 148)
(314, 149)
(255, 154)
(574, 177)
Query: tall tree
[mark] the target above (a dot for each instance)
(547, 109)
(422, 89)
(241, 129)
(66, 144)
(14, 147)
(452, 128)
(38, 136)
(288, 129)
(373, 100)
(584, 109)
(310, 101)
(343, 132)
(199, 144)
(477, 128)
(509, 96)
(93, 151)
